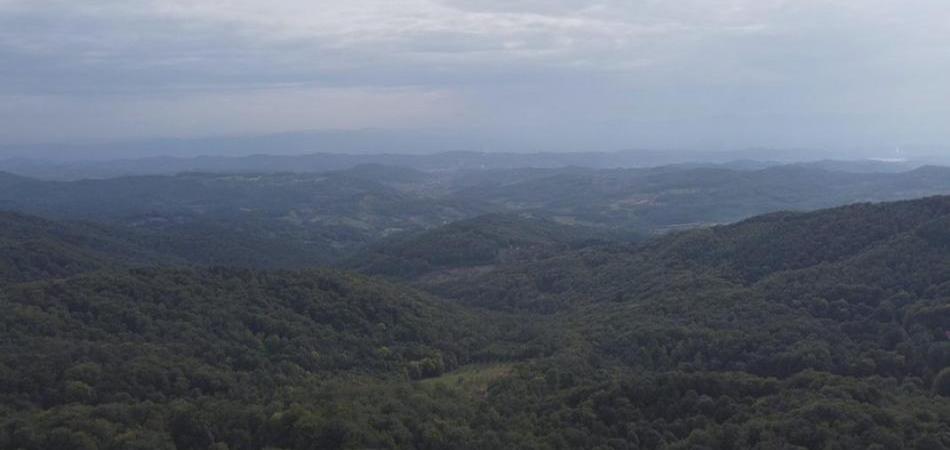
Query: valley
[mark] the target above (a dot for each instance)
(187, 312)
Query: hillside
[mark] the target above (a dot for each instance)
(83, 358)
(32, 249)
(283, 220)
(474, 245)
(739, 254)
(743, 335)
(671, 198)
(825, 329)
(35, 248)
(324, 218)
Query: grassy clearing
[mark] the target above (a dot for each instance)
(476, 377)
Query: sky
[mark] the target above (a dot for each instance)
(533, 74)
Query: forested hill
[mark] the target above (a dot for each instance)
(35, 248)
(846, 311)
(478, 244)
(32, 248)
(826, 329)
(306, 220)
(740, 254)
(231, 319)
(293, 220)
(672, 198)
(173, 358)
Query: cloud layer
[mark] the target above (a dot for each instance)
(555, 74)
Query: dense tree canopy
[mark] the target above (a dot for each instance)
(828, 329)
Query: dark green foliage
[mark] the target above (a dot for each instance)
(671, 198)
(135, 326)
(856, 295)
(295, 220)
(314, 217)
(102, 350)
(481, 242)
(33, 249)
(942, 382)
(818, 330)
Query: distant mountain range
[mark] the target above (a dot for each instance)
(317, 151)
(281, 220)
(434, 162)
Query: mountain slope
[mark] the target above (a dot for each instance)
(32, 249)
(735, 255)
(669, 198)
(325, 217)
(318, 217)
(483, 242)
(741, 336)
(790, 330)
(172, 343)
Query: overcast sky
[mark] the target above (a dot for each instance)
(558, 74)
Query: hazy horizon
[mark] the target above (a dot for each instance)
(368, 142)
(841, 79)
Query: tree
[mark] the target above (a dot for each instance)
(942, 382)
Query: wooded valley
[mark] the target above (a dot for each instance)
(376, 307)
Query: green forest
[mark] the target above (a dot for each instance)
(528, 309)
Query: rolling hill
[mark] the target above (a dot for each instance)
(474, 245)
(33, 248)
(824, 329)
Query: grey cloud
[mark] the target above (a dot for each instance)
(610, 73)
